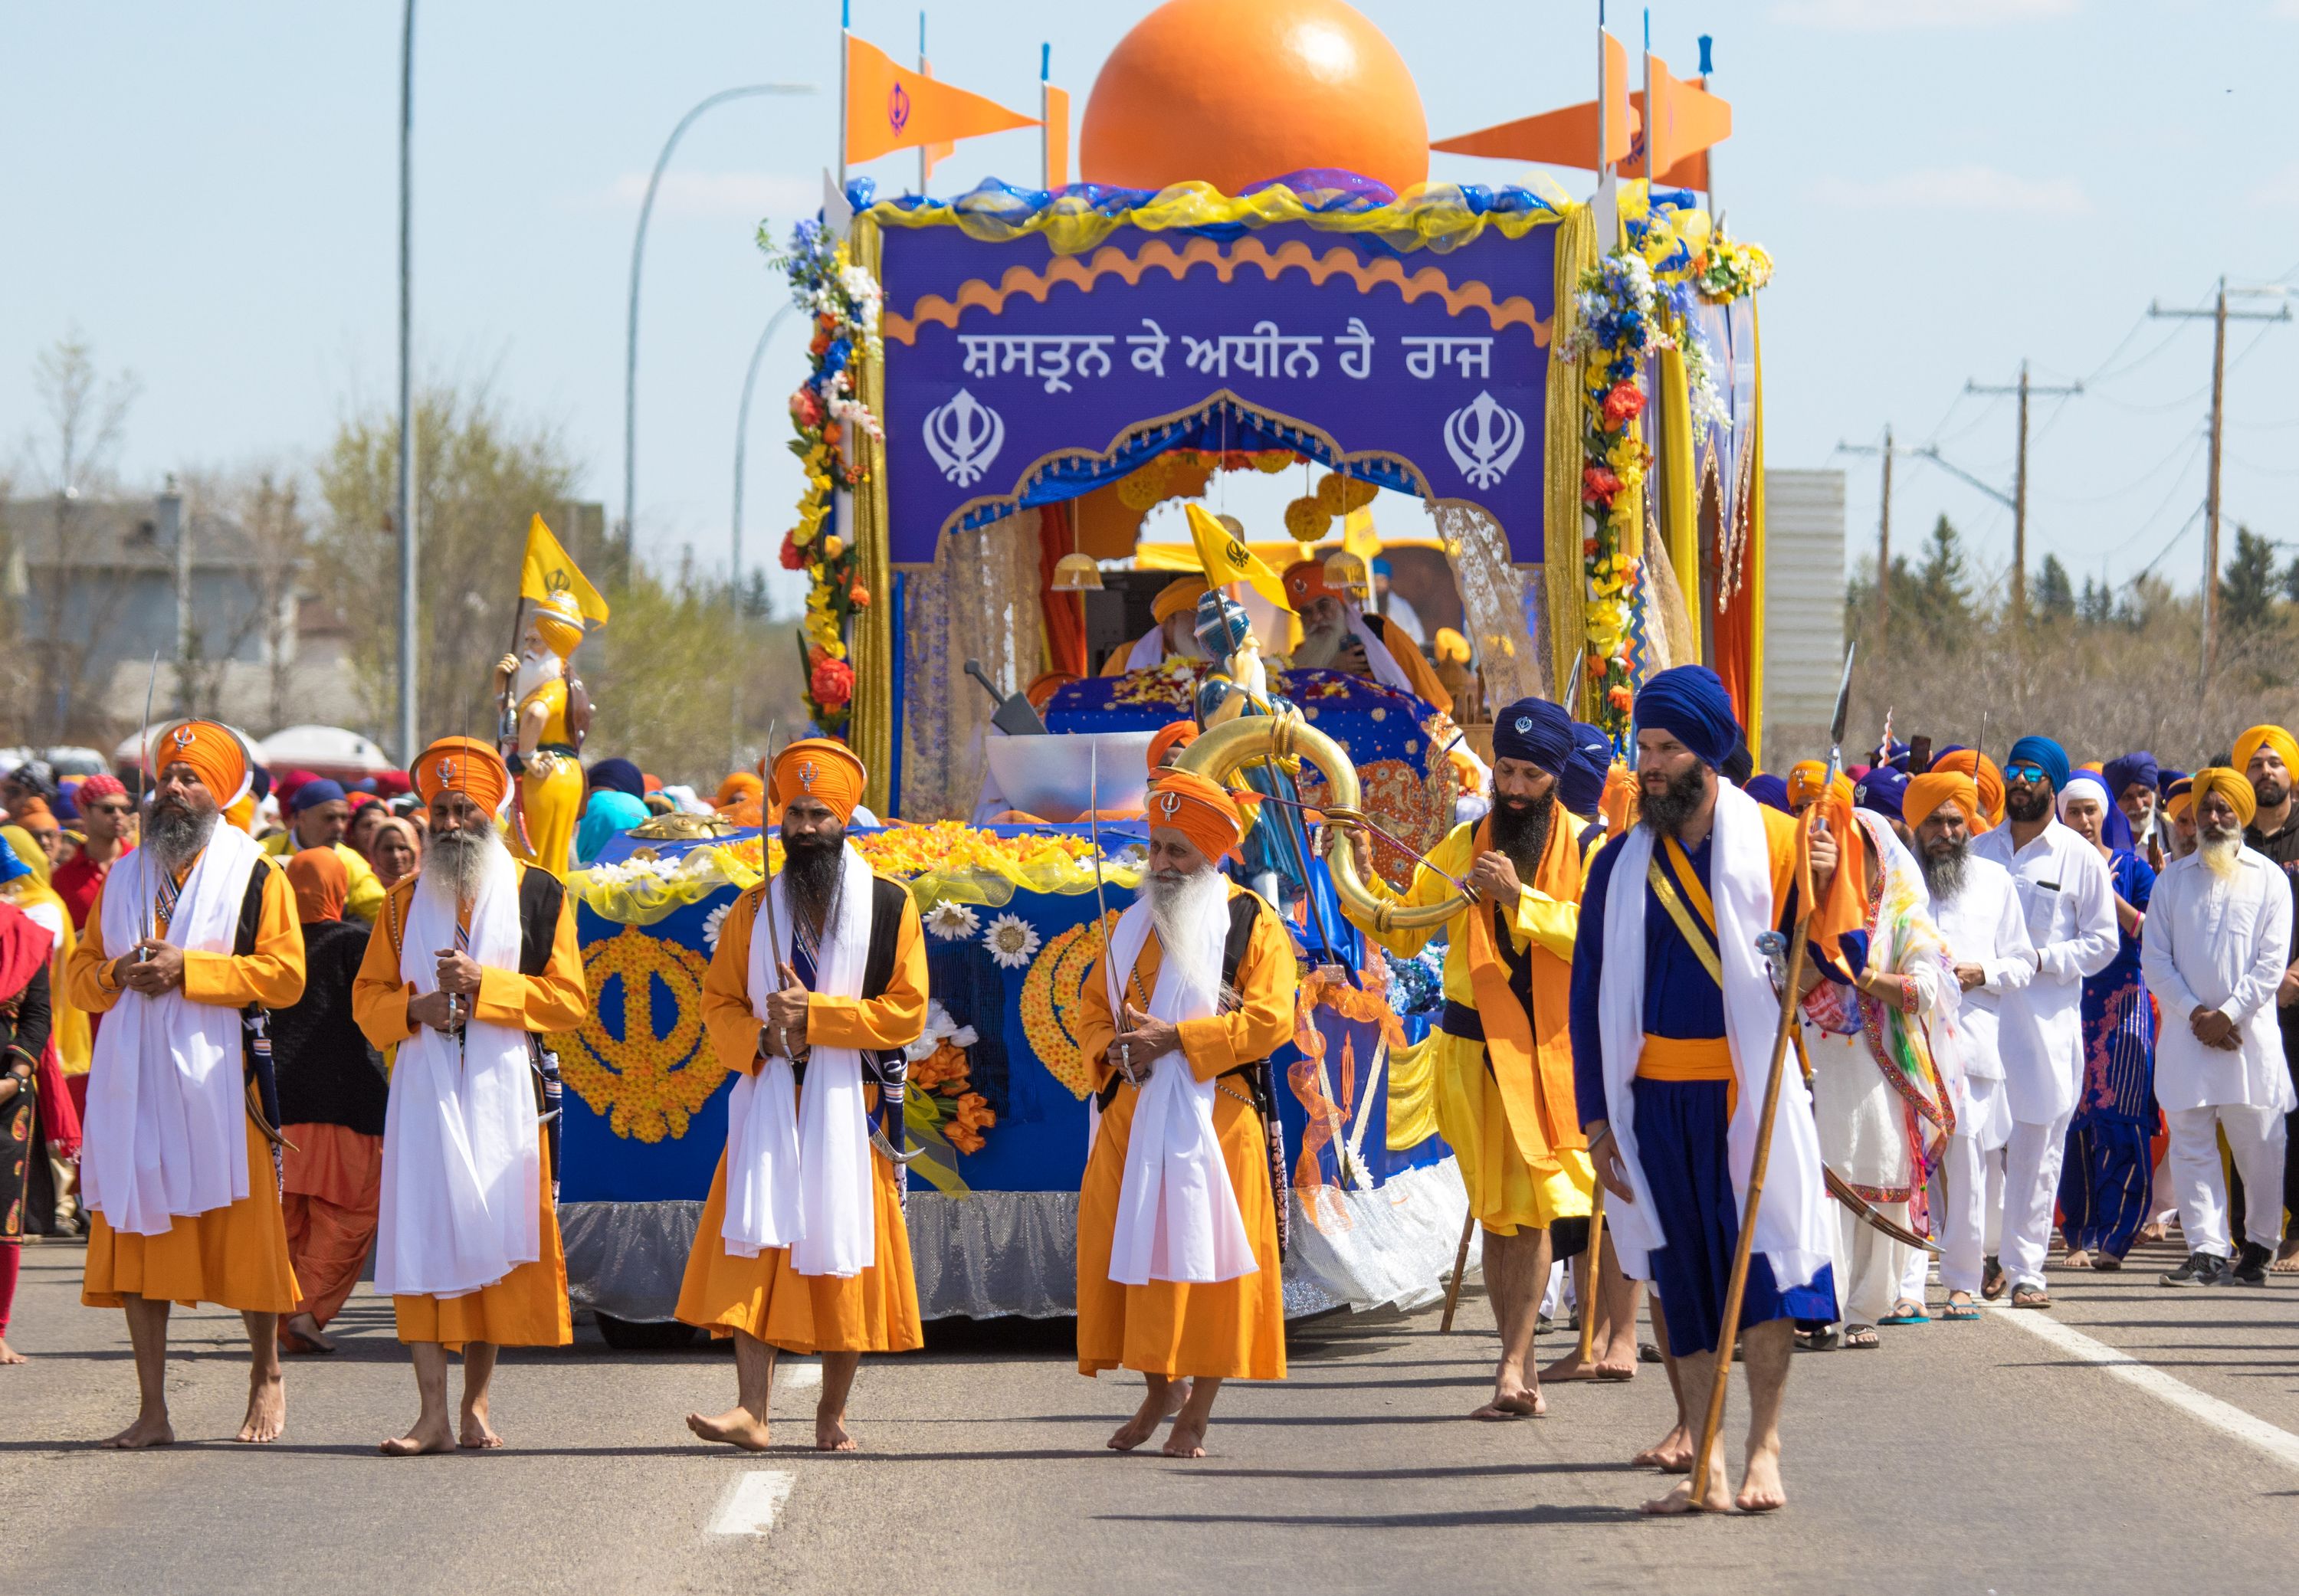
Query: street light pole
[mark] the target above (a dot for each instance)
(407, 503)
(638, 256)
(734, 552)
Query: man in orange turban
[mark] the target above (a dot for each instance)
(1177, 1249)
(469, 1253)
(186, 931)
(1174, 636)
(1989, 779)
(1168, 743)
(1337, 635)
(820, 973)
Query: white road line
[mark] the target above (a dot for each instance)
(2226, 1417)
(751, 1502)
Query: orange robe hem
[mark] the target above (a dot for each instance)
(234, 1257)
(527, 1307)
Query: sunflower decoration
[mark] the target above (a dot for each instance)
(1307, 519)
(951, 921)
(1012, 941)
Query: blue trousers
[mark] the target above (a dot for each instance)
(1681, 1129)
(2103, 1183)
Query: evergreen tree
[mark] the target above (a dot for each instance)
(2248, 590)
(2096, 608)
(2055, 595)
(1939, 597)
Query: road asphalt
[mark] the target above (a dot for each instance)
(1988, 1456)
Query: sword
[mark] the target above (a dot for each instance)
(144, 766)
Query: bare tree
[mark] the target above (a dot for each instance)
(270, 505)
(71, 462)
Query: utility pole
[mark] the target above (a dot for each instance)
(1883, 531)
(2220, 316)
(408, 746)
(2023, 388)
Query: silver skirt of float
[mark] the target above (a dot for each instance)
(994, 1253)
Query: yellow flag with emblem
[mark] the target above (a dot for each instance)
(1226, 558)
(548, 571)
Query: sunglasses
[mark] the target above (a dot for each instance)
(111, 809)
(2025, 771)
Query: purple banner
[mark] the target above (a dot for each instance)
(1018, 376)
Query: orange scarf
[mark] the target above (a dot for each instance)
(1534, 1070)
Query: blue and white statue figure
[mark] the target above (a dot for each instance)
(1277, 847)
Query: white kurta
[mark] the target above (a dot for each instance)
(1984, 925)
(2068, 900)
(2220, 944)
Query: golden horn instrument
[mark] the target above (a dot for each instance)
(1230, 747)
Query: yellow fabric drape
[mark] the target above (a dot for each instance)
(1679, 504)
(1576, 252)
(871, 649)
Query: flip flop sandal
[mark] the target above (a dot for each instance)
(1862, 1338)
(1896, 1317)
(1967, 1312)
(2030, 1296)
(1816, 1340)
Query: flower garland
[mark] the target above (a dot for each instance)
(844, 300)
(1634, 303)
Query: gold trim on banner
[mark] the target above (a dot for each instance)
(870, 733)
(1561, 522)
(1753, 499)
(1680, 495)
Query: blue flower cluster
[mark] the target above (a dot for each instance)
(1416, 986)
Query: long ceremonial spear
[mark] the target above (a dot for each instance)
(1729, 1334)
(145, 779)
(1102, 908)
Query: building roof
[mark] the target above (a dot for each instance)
(124, 534)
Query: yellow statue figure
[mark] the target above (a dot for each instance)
(546, 713)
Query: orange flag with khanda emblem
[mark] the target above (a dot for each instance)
(890, 107)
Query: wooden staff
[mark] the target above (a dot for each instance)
(1460, 1268)
(1588, 1275)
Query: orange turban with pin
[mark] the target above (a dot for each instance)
(1170, 739)
(463, 764)
(1926, 793)
(212, 750)
(1205, 812)
(817, 767)
(1808, 779)
(1985, 776)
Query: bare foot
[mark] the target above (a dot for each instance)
(9, 1354)
(301, 1333)
(830, 1435)
(2287, 1259)
(2078, 1258)
(422, 1439)
(1761, 1491)
(1569, 1367)
(1187, 1441)
(1517, 1404)
(267, 1409)
(1671, 1454)
(736, 1427)
(148, 1430)
(1154, 1411)
(2162, 1232)
(1679, 1500)
(476, 1433)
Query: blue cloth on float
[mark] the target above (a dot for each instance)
(1680, 1145)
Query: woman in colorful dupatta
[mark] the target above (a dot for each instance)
(2108, 1171)
(1886, 1083)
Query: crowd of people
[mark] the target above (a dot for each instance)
(2029, 997)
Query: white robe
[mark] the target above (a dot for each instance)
(462, 1158)
(2069, 902)
(2223, 945)
(798, 1167)
(166, 1132)
(1794, 1226)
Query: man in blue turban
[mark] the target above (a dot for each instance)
(1673, 1018)
(2133, 781)
(1502, 1057)
(1884, 789)
(2068, 898)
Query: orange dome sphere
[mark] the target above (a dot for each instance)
(1235, 92)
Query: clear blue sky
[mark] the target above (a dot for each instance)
(207, 192)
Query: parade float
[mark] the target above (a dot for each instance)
(1003, 387)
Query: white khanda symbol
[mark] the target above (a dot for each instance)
(964, 435)
(1484, 439)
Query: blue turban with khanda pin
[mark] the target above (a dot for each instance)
(1536, 732)
(1689, 703)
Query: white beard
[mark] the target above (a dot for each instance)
(1182, 639)
(456, 879)
(1317, 649)
(1191, 918)
(2220, 854)
(536, 667)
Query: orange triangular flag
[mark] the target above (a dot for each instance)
(935, 154)
(1619, 136)
(1567, 135)
(1685, 121)
(890, 107)
(1057, 109)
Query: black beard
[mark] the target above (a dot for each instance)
(811, 871)
(1521, 829)
(2030, 806)
(1663, 814)
(1944, 872)
(177, 832)
(2269, 791)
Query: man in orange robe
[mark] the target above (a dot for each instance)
(187, 933)
(472, 959)
(801, 1246)
(1177, 1258)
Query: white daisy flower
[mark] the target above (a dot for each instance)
(952, 921)
(1011, 941)
(712, 924)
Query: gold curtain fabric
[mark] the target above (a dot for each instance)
(1493, 593)
(978, 600)
(871, 648)
(1561, 530)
